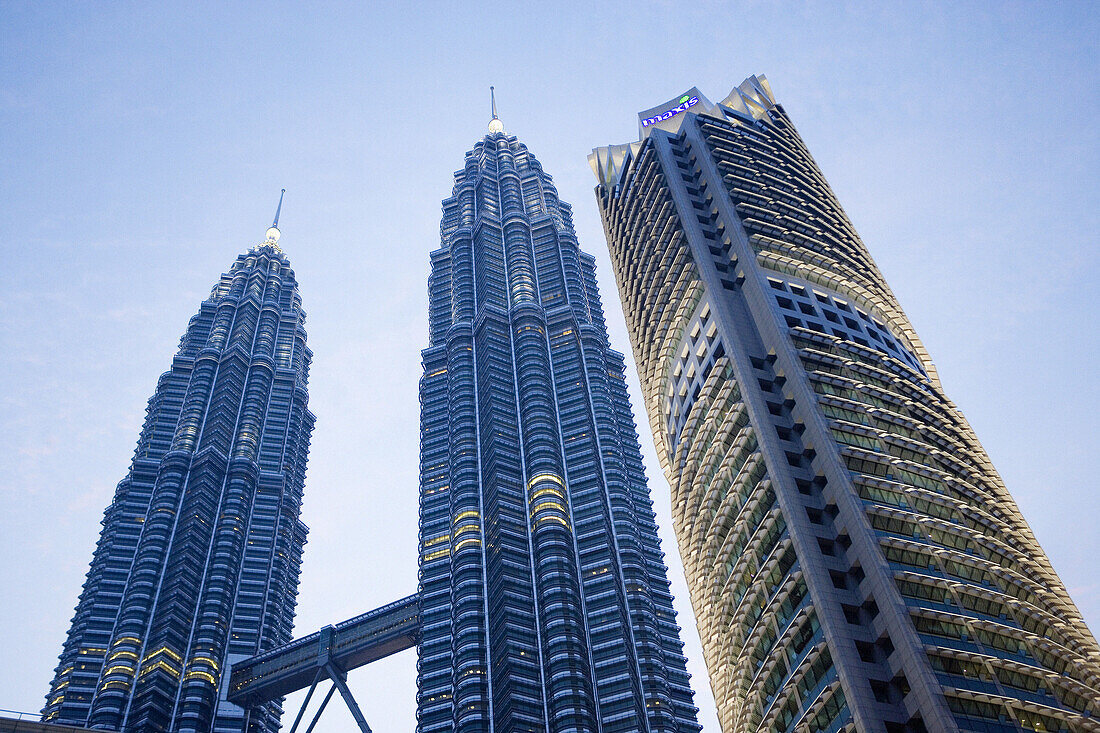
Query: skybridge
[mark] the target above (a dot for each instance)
(328, 654)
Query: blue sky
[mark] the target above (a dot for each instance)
(143, 146)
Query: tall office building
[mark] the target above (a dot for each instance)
(854, 560)
(544, 599)
(197, 564)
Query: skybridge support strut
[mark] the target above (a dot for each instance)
(321, 709)
(339, 681)
(305, 703)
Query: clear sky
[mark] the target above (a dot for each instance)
(143, 145)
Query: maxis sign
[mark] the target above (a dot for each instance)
(686, 102)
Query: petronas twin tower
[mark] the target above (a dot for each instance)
(853, 559)
(544, 598)
(197, 565)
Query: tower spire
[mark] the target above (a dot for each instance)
(273, 232)
(495, 125)
(279, 209)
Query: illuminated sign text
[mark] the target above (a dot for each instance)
(685, 103)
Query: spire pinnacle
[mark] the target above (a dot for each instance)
(279, 209)
(273, 232)
(495, 125)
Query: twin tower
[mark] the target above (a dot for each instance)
(854, 561)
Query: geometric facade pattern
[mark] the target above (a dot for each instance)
(545, 604)
(197, 564)
(854, 560)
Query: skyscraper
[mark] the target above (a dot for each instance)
(854, 560)
(544, 599)
(197, 564)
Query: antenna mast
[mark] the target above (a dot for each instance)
(279, 210)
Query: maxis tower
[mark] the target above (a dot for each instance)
(543, 593)
(855, 562)
(197, 564)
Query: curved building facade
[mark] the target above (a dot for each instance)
(854, 560)
(197, 564)
(544, 599)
